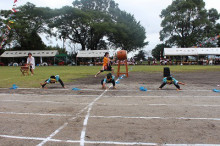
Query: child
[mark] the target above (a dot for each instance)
(106, 65)
(170, 80)
(108, 79)
(31, 63)
(52, 80)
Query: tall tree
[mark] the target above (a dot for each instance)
(127, 33)
(187, 23)
(29, 24)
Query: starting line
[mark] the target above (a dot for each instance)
(102, 142)
(99, 90)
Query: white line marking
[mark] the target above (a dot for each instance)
(36, 114)
(5, 94)
(103, 142)
(105, 104)
(152, 118)
(95, 90)
(162, 96)
(83, 132)
(61, 127)
(54, 102)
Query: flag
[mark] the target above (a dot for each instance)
(15, 1)
(14, 10)
(9, 28)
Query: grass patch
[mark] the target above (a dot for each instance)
(12, 75)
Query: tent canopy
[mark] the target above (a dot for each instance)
(37, 53)
(191, 51)
(91, 54)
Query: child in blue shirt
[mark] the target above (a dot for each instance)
(108, 79)
(170, 80)
(53, 79)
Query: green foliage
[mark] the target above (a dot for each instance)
(187, 23)
(29, 23)
(156, 52)
(140, 56)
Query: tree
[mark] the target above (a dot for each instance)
(127, 33)
(158, 50)
(187, 23)
(140, 56)
(30, 22)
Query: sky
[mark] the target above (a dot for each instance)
(145, 11)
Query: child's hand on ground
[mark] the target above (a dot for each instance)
(160, 88)
(114, 87)
(178, 89)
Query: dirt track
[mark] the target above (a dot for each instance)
(118, 117)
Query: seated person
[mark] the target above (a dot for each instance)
(52, 80)
(170, 80)
(108, 79)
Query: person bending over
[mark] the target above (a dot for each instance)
(108, 79)
(170, 80)
(52, 80)
(106, 65)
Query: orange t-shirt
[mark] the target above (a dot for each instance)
(105, 61)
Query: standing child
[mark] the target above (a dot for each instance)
(52, 80)
(106, 65)
(170, 80)
(108, 79)
(31, 63)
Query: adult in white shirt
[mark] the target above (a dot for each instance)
(31, 63)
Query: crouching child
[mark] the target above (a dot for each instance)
(170, 80)
(108, 79)
(53, 80)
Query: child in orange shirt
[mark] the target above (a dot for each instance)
(106, 65)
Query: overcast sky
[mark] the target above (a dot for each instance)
(145, 11)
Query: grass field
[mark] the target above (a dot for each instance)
(12, 75)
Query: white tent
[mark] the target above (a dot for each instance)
(191, 51)
(91, 54)
(37, 53)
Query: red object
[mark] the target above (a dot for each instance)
(122, 55)
(61, 63)
(15, 1)
(2, 64)
(14, 10)
(122, 59)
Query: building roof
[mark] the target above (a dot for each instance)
(35, 53)
(191, 51)
(91, 54)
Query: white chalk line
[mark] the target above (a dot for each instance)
(106, 96)
(63, 95)
(113, 104)
(61, 127)
(66, 123)
(52, 102)
(36, 114)
(83, 132)
(102, 142)
(153, 118)
(95, 90)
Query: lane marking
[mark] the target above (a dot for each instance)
(160, 96)
(102, 142)
(107, 104)
(54, 102)
(36, 114)
(63, 95)
(153, 118)
(83, 132)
